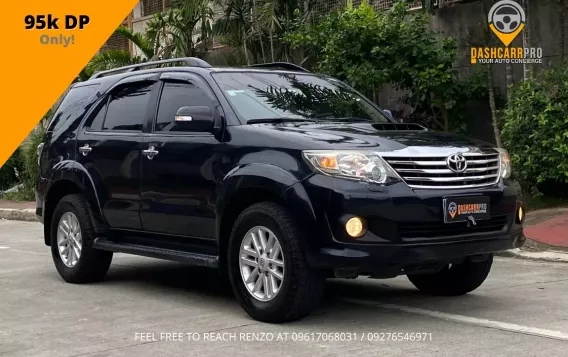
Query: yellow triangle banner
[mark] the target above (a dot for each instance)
(506, 38)
(41, 57)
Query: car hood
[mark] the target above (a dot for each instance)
(371, 137)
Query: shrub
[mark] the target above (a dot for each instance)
(536, 130)
(30, 164)
(10, 171)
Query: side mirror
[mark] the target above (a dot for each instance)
(195, 118)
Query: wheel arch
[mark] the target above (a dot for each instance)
(254, 184)
(73, 181)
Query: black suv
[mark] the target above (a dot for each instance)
(277, 176)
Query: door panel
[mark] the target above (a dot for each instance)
(179, 184)
(108, 148)
(114, 165)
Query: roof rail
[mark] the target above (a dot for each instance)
(189, 61)
(283, 65)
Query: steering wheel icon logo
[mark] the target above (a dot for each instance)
(506, 19)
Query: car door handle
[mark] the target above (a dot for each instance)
(85, 149)
(150, 152)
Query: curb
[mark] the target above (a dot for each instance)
(550, 256)
(18, 214)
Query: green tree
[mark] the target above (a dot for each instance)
(368, 50)
(258, 24)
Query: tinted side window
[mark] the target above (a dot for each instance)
(95, 122)
(73, 106)
(175, 96)
(127, 107)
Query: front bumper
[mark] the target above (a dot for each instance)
(405, 226)
(373, 259)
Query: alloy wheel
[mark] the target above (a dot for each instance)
(261, 262)
(69, 239)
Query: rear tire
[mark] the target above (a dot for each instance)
(84, 264)
(454, 280)
(300, 289)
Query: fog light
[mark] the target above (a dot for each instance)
(356, 227)
(520, 215)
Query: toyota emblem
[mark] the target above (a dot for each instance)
(456, 163)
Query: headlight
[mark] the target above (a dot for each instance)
(356, 165)
(504, 163)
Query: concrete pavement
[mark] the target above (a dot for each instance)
(136, 311)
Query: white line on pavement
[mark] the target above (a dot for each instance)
(504, 326)
(4, 247)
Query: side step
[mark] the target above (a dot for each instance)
(205, 260)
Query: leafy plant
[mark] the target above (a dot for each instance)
(31, 167)
(536, 129)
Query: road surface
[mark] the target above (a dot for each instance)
(149, 307)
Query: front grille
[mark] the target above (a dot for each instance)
(433, 172)
(417, 231)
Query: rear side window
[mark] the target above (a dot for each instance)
(74, 106)
(95, 123)
(127, 107)
(175, 96)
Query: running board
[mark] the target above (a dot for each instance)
(205, 260)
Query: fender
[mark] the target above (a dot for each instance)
(63, 170)
(90, 185)
(76, 173)
(270, 178)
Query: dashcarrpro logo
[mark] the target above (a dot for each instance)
(506, 20)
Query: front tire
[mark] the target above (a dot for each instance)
(267, 268)
(454, 279)
(72, 236)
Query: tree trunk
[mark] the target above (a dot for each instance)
(562, 24)
(272, 44)
(255, 18)
(446, 119)
(245, 49)
(494, 119)
(261, 47)
(527, 68)
(509, 71)
(189, 45)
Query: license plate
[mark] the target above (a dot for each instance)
(461, 209)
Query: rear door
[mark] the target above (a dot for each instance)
(109, 147)
(179, 179)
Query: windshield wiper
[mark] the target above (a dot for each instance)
(278, 120)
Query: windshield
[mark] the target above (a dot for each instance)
(258, 95)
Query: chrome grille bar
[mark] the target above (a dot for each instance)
(432, 172)
(449, 179)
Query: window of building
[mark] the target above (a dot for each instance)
(150, 7)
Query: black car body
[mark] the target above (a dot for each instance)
(174, 188)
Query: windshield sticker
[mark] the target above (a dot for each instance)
(233, 93)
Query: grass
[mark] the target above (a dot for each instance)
(24, 194)
(542, 202)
